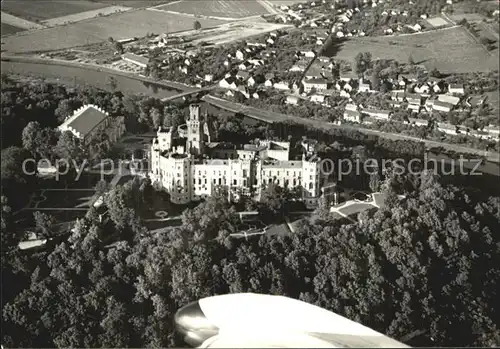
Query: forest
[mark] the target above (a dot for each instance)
(423, 269)
(425, 264)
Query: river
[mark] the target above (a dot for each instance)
(81, 76)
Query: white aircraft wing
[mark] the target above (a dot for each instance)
(245, 320)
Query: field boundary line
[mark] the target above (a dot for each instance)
(192, 15)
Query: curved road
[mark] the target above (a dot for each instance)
(56, 68)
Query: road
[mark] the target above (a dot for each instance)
(60, 68)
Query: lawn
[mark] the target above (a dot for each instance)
(125, 25)
(10, 29)
(217, 8)
(66, 199)
(39, 10)
(125, 179)
(449, 50)
(355, 208)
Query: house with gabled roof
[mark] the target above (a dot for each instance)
(87, 121)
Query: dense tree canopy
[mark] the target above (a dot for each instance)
(427, 262)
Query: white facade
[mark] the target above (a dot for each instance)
(197, 170)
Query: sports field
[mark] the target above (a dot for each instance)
(41, 10)
(217, 8)
(449, 50)
(137, 23)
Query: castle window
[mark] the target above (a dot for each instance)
(235, 182)
(310, 185)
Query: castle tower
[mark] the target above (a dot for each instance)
(194, 130)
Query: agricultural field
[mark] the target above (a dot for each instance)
(76, 17)
(9, 29)
(217, 8)
(36, 10)
(448, 50)
(100, 29)
(135, 3)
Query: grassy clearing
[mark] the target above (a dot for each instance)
(119, 26)
(449, 50)
(66, 199)
(39, 10)
(218, 8)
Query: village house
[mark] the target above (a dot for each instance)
(245, 66)
(243, 90)
(352, 107)
(293, 100)
(317, 98)
(352, 116)
(442, 106)
(348, 76)
(242, 75)
(317, 84)
(282, 85)
(251, 81)
(422, 88)
(140, 61)
(453, 100)
(240, 55)
(209, 77)
(364, 86)
(447, 128)
(378, 114)
(89, 120)
(414, 99)
(228, 83)
(258, 94)
(345, 94)
(456, 89)
(309, 54)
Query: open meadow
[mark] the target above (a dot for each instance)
(40, 10)
(91, 31)
(217, 8)
(448, 50)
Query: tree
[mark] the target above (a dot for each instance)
(197, 25)
(64, 109)
(118, 46)
(31, 136)
(156, 118)
(111, 82)
(411, 61)
(44, 222)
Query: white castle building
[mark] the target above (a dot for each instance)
(191, 168)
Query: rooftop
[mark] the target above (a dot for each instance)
(85, 119)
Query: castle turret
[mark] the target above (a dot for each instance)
(194, 130)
